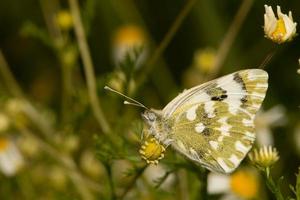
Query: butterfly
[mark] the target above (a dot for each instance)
(211, 124)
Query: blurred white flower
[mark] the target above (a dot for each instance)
(155, 172)
(218, 183)
(241, 185)
(265, 120)
(90, 165)
(127, 39)
(11, 160)
(279, 29)
(120, 170)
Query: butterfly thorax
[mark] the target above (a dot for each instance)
(157, 126)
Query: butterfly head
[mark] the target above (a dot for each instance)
(150, 117)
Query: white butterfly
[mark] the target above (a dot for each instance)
(211, 124)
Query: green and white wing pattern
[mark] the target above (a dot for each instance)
(213, 123)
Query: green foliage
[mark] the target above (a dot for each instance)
(46, 99)
(31, 30)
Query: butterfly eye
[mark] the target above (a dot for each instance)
(151, 116)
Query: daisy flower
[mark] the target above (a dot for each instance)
(11, 160)
(281, 28)
(240, 185)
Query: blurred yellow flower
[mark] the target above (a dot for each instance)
(245, 184)
(204, 59)
(152, 151)
(117, 80)
(127, 39)
(11, 160)
(15, 109)
(57, 176)
(203, 63)
(279, 29)
(264, 157)
(4, 122)
(28, 146)
(71, 143)
(242, 184)
(69, 56)
(64, 20)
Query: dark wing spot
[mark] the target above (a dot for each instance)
(218, 94)
(219, 98)
(237, 78)
(206, 132)
(244, 100)
(224, 96)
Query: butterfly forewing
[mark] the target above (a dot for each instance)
(213, 123)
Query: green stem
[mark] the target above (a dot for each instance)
(88, 67)
(8, 78)
(166, 41)
(271, 185)
(16, 91)
(183, 185)
(230, 36)
(110, 181)
(203, 181)
(139, 172)
(66, 93)
(60, 41)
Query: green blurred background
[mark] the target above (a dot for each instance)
(37, 68)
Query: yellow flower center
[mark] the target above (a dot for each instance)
(129, 35)
(279, 32)
(152, 151)
(3, 144)
(244, 184)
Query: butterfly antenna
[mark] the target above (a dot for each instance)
(267, 60)
(133, 101)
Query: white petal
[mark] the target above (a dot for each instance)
(264, 137)
(218, 183)
(10, 160)
(230, 196)
(290, 27)
(270, 21)
(275, 116)
(279, 13)
(269, 12)
(290, 16)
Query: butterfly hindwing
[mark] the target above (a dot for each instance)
(213, 123)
